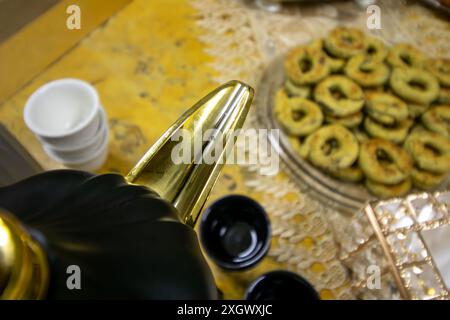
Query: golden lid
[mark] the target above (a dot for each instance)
(24, 272)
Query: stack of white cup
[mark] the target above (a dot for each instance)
(68, 119)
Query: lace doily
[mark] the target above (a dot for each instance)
(244, 39)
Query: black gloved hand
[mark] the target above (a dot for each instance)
(127, 241)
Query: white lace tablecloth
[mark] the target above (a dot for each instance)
(244, 39)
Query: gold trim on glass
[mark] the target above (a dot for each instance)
(387, 251)
(383, 228)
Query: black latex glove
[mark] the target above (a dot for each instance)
(128, 242)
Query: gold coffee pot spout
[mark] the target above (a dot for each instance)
(176, 167)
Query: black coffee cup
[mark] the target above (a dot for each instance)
(235, 232)
(281, 285)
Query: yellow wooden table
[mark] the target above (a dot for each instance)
(146, 63)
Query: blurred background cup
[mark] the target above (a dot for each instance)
(63, 112)
(235, 232)
(66, 116)
(281, 285)
(88, 158)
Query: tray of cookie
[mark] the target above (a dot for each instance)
(359, 120)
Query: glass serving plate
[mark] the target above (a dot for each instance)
(345, 197)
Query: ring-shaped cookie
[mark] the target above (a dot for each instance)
(385, 108)
(440, 68)
(384, 162)
(336, 64)
(301, 148)
(350, 121)
(429, 150)
(375, 49)
(294, 90)
(344, 42)
(437, 119)
(339, 96)
(403, 55)
(351, 174)
(333, 147)
(366, 72)
(426, 179)
(396, 133)
(415, 85)
(305, 66)
(385, 191)
(299, 116)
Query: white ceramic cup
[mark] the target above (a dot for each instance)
(68, 153)
(64, 113)
(92, 162)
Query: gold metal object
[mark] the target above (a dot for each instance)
(389, 234)
(24, 271)
(187, 185)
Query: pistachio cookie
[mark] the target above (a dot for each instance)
(430, 151)
(333, 147)
(437, 119)
(299, 116)
(305, 66)
(384, 162)
(344, 42)
(385, 191)
(386, 108)
(339, 96)
(403, 55)
(415, 85)
(367, 72)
